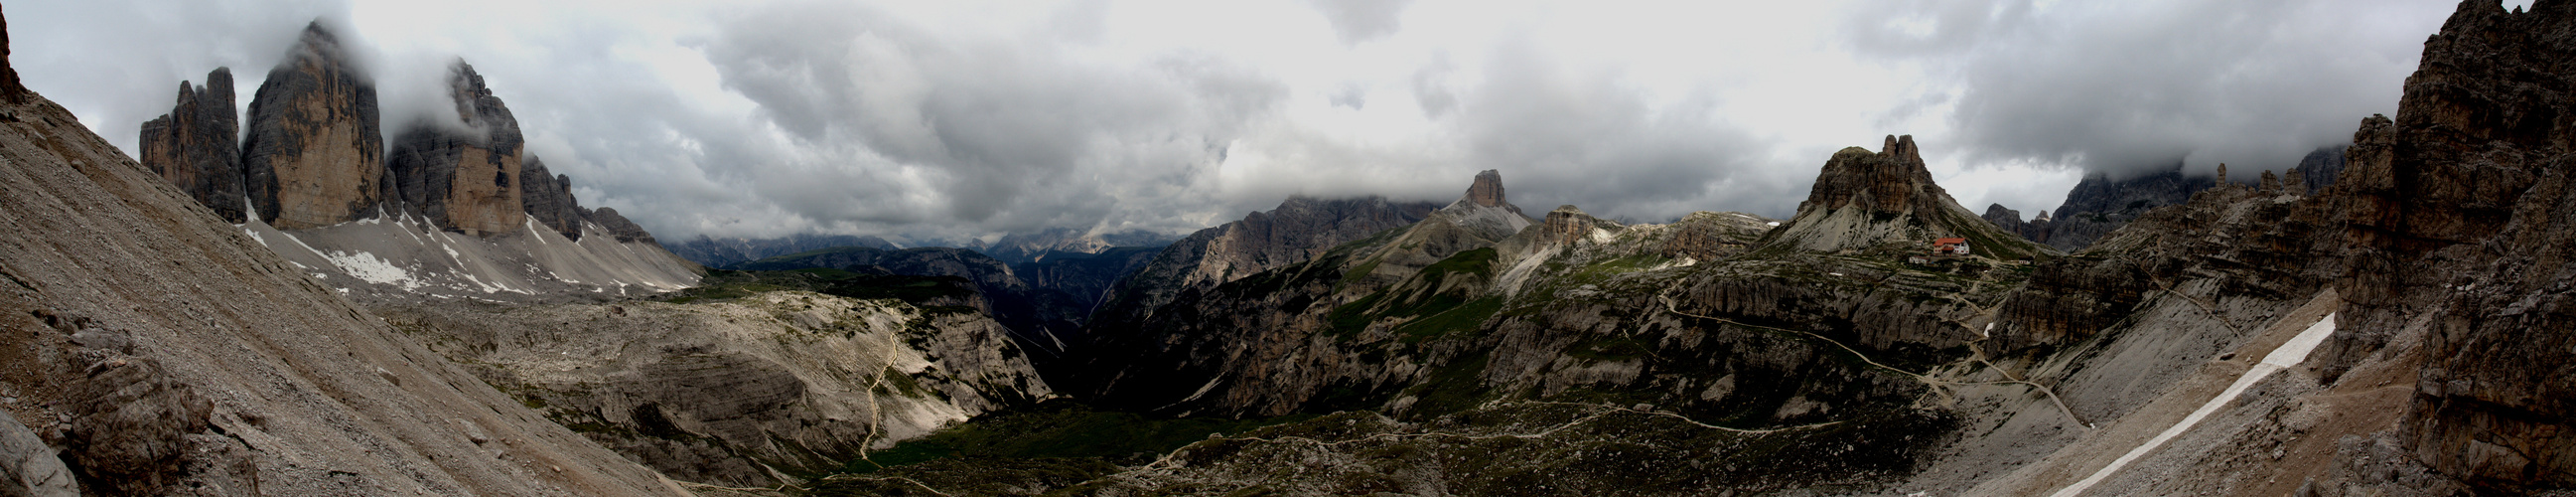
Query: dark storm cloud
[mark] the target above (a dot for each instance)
(2124, 86)
(1007, 133)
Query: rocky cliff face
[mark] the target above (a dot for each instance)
(2459, 211)
(1886, 202)
(196, 148)
(547, 197)
(468, 179)
(314, 155)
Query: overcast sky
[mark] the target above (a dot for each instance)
(969, 118)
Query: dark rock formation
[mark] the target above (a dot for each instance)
(617, 226)
(2035, 229)
(196, 148)
(314, 155)
(465, 180)
(1892, 181)
(548, 198)
(2460, 211)
(721, 252)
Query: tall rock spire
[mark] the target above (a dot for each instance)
(1488, 189)
(194, 146)
(314, 155)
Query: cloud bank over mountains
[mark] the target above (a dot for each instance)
(950, 120)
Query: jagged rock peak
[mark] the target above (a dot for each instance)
(1886, 201)
(1488, 189)
(314, 154)
(194, 147)
(1893, 180)
(467, 180)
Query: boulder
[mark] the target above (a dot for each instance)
(28, 467)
